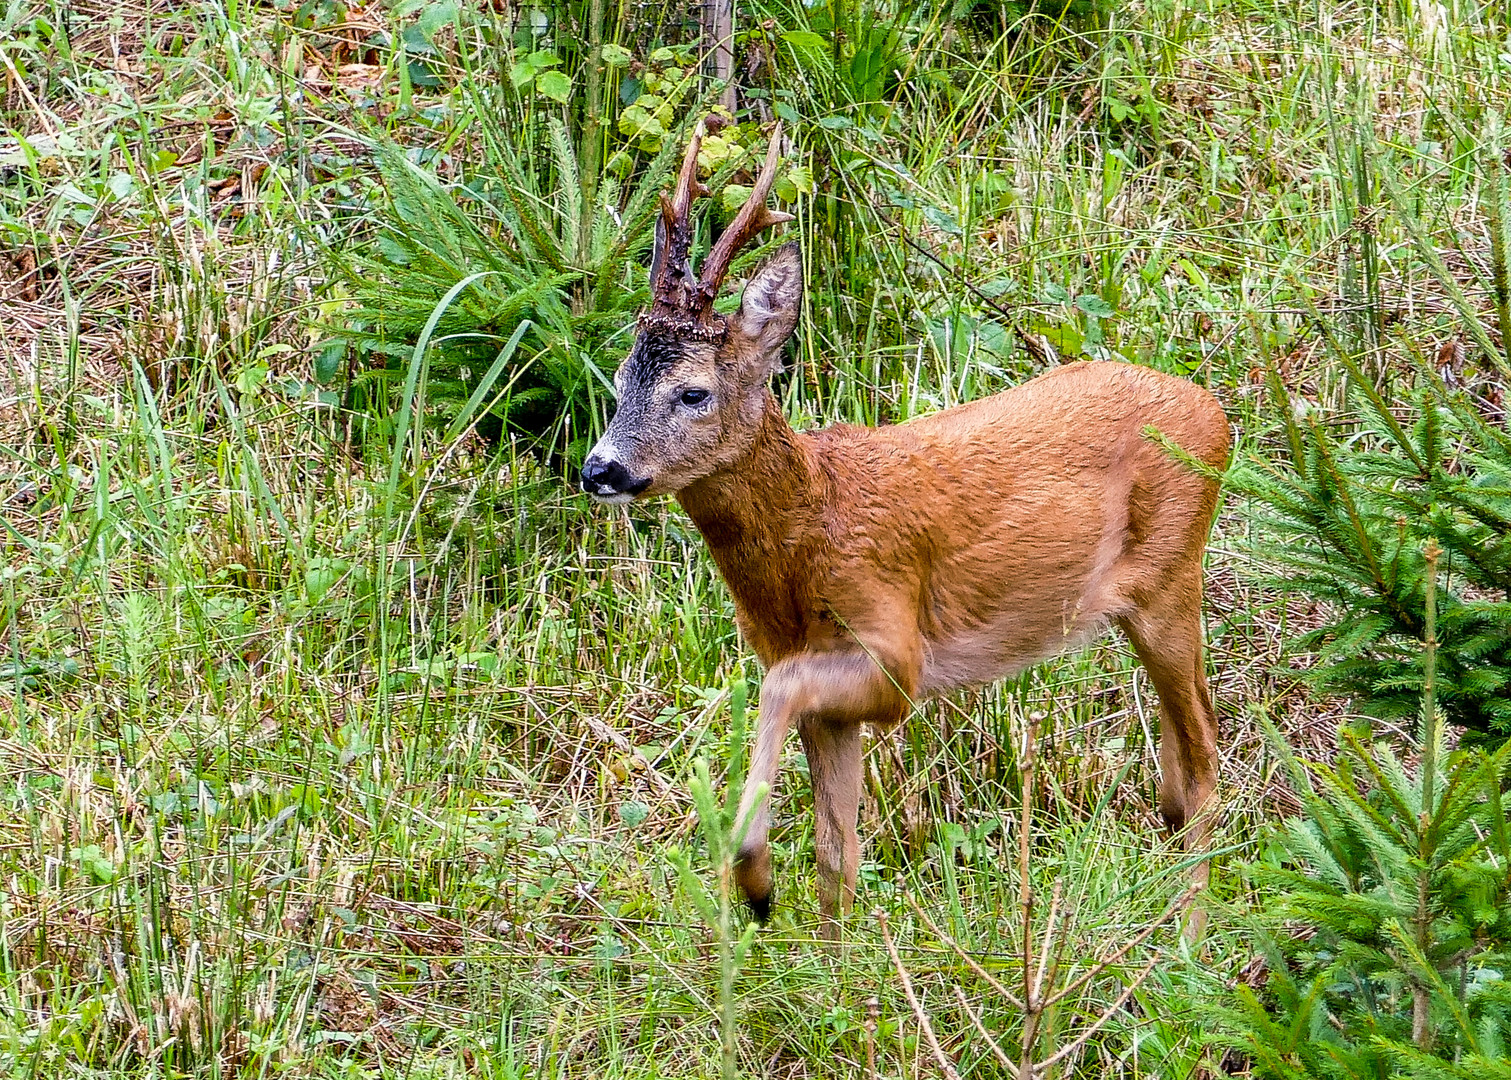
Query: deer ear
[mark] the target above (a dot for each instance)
(770, 304)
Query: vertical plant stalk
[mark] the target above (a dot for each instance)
(1033, 1007)
(723, 834)
(727, 969)
(1495, 219)
(1421, 1028)
(716, 905)
(731, 952)
(590, 154)
(873, 1014)
(1365, 223)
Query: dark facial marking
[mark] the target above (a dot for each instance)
(653, 355)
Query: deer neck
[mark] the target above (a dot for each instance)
(757, 517)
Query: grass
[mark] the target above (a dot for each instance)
(336, 752)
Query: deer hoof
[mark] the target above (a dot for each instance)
(753, 875)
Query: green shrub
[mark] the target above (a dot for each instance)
(1394, 894)
(520, 248)
(1344, 513)
(527, 277)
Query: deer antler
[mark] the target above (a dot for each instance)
(676, 296)
(754, 216)
(672, 285)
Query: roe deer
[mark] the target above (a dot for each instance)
(873, 567)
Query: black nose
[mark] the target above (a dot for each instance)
(610, 478)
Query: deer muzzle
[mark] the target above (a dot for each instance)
(607, 480)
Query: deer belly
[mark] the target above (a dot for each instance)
(1000, 647)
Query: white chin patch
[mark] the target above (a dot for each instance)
(619, 498)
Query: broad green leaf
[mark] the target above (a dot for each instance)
(943, 221)
(616, 56)
(734, 196)
(436, 16)
(812, 51)
(1094, 305)
(94, 862)
(250, 378)
(554, 85)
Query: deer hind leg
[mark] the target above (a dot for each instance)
(834, 754)
(1167, 637)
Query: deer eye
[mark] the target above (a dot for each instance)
(694, 396)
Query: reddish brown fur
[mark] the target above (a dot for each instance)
(873, 567)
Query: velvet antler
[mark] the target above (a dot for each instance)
(672, 286)
(675, 295)
(753, 217)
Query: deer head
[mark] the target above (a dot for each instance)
(693, 389)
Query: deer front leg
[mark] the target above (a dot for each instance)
(753, 864)
(830, 695)
(834, 762)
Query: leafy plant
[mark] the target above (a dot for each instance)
(527, 276)
(519, 241)
(1344, 514)
(654, 99)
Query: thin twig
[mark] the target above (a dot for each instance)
(945, 1065)
(1180, 903)
(873, 1011)
(1049, 933)
(20, 84)
(976, 1019)
(981, 972)
(1084, 1037)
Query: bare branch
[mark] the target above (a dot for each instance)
(1107, 1014)
(1044, 946)
(981, 972)
(976, 1019)
(1178, 905)
(945, 1065)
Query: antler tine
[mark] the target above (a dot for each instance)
(754, 216)
(672, 284)
(688, 185)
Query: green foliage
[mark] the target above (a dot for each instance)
(521, 237)
(547, 214)
(655, 100)
(1395, 957)
(1343, 515)
(325, 760)
(1072, 14)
